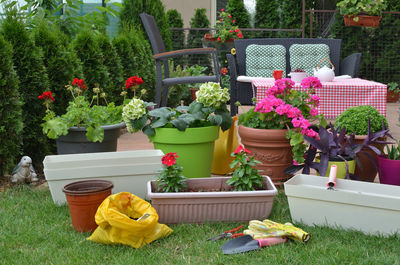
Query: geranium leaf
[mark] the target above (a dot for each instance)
(95, 134)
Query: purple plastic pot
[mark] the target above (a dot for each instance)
(389, 171)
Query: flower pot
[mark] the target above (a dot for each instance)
(297, 77)
(389, 171)
(193, 93)
(76, 142)
(341, 167)
(372, 208)
(84, 197)
(392, 97)
(200, 207)
(363, 21)
(367, 171)
(271, 148)
(210, 41)
(194, 146)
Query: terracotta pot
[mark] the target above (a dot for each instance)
(216, 206)
(209, 37)
(193, 93)
(84, 197)
(389, 171)
(392, 96)
(363, 21)
(271, 148)
(368, 171)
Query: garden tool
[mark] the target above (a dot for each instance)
(228, 234)
(332, 178)
(247, 243)
(268, 228)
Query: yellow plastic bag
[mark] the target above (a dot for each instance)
(223, 147)
(116, 226)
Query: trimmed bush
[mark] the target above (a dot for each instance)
(28, 62)
(199, 20)
(175, 20)
(10, 111)
(355, 120)
(267, 16)
(238, 11)
(60, 60)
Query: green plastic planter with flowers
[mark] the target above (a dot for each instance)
(189, 131)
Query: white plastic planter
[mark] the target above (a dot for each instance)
(372, 208)
(128, 170)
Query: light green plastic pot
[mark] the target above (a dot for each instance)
(341, 168)
(194, 146)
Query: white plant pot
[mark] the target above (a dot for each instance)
(128, 170)
(297, 77)
(372, 208)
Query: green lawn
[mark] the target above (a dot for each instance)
(35, 231)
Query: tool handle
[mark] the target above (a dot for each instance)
(264, 242)
(332, 177)
(234, 229)
(237, 235)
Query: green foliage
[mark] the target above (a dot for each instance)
(136, 58)
(114, 67)
(267, 16)
(245, 177)
(393, 86)
(10, 110)
(355, 120)
(131, 9)
(199, 20)
(92, 58)
(28, 62)
(60, 60)
(355, 7)
(171, 178)
(238, 11)
(175, 20)
(226, 28)
(393, 152)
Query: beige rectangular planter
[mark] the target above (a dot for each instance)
(372, 208)
(200, 207)
(128, 170)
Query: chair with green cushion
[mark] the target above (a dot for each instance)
(262, 60)
(307, 56)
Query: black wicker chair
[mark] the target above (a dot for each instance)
(161, 57)
(243, 92)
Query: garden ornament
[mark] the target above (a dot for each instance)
(24, 171)
(268, 228)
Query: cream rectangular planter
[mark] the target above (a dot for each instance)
(200, 207)
(372, 208)
(128, 170)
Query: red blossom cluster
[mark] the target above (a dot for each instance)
(133, 80)
(46, 95)
(169, 159)
(79, 83)
(224, 71)
(241, 148)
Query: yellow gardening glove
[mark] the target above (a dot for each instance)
(268, 228)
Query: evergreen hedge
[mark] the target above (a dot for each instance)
(238, 11)
(28, 62)
(267, 16)
(10, 111)
(199, 20)
(175, 20)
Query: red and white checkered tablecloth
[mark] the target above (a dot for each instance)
(337, 96)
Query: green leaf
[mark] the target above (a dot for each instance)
(139, 123)
(159, 123)
(187, 118)
(181, 125)
(95, 134)
(161, 113)
(215, 119)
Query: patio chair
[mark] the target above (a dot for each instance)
(161, 57)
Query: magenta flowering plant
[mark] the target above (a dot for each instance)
(286, 108)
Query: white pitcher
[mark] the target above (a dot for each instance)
(325, 74)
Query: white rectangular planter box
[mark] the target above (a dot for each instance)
(372, 208)
(128, 170)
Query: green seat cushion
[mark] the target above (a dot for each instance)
(307, 56)
(262, 60)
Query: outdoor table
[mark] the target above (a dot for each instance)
(338, 95)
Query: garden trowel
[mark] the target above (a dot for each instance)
(247, 243)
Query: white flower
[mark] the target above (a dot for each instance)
(211, 94)
(134, 110)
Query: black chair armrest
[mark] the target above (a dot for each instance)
(178, 53)
(351, 65)
(233, 77)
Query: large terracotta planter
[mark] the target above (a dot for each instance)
(218, 206)
(368, 171)
(194, 146)
(271, 148)
(389, 171)
(363, 21)
(84, 197)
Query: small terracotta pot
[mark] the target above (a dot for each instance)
(368, 171)
(363, 21)
(84, 197)
(271, 148)
(392, 97)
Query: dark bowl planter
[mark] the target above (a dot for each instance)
(76, 142)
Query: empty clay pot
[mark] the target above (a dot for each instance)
(84, 197)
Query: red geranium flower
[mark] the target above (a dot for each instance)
(169, 159)
(240, 35)
(46, 95)
(79, 83)
(237, 30)
(224, 70)
(240, 148)
(218, 39)
(132, 81)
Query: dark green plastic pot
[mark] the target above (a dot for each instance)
(194, 146)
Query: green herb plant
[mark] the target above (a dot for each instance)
(393, 152)
(393, 86)
(171, 178)
(245, 177)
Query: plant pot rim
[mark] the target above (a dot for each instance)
(383, 157)
(77, 188)
(220, 194)
(281, 130)
(105, 127)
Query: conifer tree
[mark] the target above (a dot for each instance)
(237, 9)
(199, 20)
(267, 16)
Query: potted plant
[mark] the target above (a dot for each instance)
(389, 165)
(244, 196)
(273, 130)
(195, 70)
(189, 131)
(392, 92)
(366, 13)
(87, 126)
(356, 120)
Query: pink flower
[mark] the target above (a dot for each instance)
(311, 82)
(309, 132)
(218, 39)
(315, 99)
(293, 113)
(240, 148)
(295, 163)
(313, 112)
(296, 122)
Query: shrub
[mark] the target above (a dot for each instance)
(177, 36)
(239, 12)
(199, 20)
(355, 120)
(267, 16)
(60, 60)
(28, 62)
(10, 110)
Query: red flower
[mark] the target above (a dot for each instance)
(231, 31)
(221, 19)
(218, 39)
(240, 148)
(169, 159)
(224, 71)
(222, 10)
(237, 30)
(79, 83)
(240, 35)
(133, 80)
(46, 95)
(233, 21)
(230, 16)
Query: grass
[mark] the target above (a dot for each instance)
(35, 231)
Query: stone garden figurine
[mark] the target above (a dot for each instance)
(24, 171)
